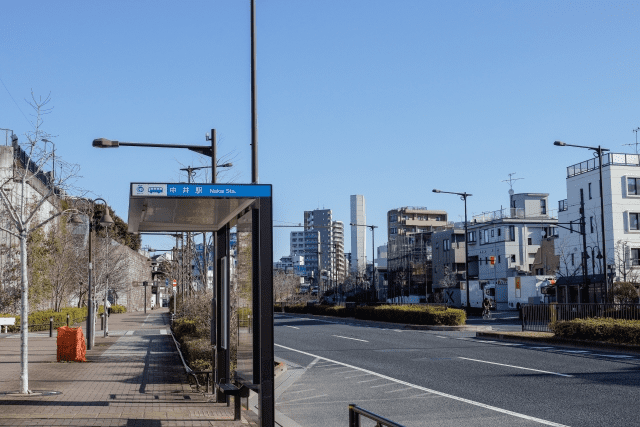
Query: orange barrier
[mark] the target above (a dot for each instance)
(71, 345)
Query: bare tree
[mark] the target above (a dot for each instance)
(28, 195)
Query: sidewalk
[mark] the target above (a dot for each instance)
(133, 377)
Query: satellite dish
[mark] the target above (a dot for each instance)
(511, 192)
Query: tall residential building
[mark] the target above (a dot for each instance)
(321, 244)
(409, 256)
(358, 233)
(621, 195)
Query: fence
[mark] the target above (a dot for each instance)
(537, 317)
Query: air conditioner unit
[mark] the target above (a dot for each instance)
(518, 267)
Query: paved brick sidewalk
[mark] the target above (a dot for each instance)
(133, 377)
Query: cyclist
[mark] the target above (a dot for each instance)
(486, 306)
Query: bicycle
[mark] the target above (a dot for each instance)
(486, 314)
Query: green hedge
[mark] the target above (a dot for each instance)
(410, 314)
(599, 329)
(115, 309)
(413, 314)
(39, 320)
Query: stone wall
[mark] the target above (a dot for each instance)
(136, 271)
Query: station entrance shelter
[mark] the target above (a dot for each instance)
(242, 305)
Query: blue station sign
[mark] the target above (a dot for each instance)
(200, 190)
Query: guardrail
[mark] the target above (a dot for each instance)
(355, 412)
(537, 317)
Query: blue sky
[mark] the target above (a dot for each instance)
(388, 99)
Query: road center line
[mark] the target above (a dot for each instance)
(291, 327)
(439, 393)
(348, 338)
(517, 367)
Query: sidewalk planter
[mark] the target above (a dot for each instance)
(599, 329)
(71, 345)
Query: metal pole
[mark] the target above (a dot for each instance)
(254, 100)
(144, 285)
(106, 291)
(583, 230)
(90, 293)
(213, 157)
(604, 237)
(466, 249)
(373, 263)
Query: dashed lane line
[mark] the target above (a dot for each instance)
(349, 338)
(517, 367)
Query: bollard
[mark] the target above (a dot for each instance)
(67, 320)
(50, 327)
(102, 322)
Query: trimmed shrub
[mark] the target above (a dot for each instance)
(115, 309)
(39, 320)
(599, 329)
(183, 328)
(411, 314)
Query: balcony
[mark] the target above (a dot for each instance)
(563, 205)
(607, 159)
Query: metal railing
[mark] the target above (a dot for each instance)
(607, 159)
(355, 412)
(537, 317)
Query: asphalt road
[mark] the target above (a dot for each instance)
(433, 378)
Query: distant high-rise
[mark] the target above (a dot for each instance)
(358, 234)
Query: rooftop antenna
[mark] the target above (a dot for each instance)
(510, 181)
(636, 144)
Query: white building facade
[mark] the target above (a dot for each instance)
(358, 233)
(621, 196)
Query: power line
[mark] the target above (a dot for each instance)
(14, 101)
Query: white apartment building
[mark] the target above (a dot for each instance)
(504, 243)
(358, 233)
(621, 195)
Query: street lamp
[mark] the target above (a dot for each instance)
(207, 150)
(597, 150)
(463, 196)
(105, 221)
(373, 257)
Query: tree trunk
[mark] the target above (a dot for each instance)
(24, 318)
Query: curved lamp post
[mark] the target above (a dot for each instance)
(463, 196)
(597, 150)
(105, 221)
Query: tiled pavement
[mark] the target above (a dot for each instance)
(133, 377)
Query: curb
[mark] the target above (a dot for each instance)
(561, 341)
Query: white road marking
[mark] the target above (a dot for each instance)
(313, 363)
(438, 336)
(540, 348)
(368, 381)
(400, 389)
(163, 332)
(129, 333)
(305, 398)
(349, 338)
(382, 385)
(354, 376)
(575, 351)
(438, 393)
(300, 391)
(517, 367)
(398, 330)
(291, 327)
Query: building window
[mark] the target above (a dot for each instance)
(471, 236)
(529, 241)
(591, 223)
(498, 259)
(499, 231)
(632, 186)
(446, 245)
(513, 258)
(573, 259)
(589, 191)
(543, 206)
(512, 233)
(635, 257)
(633, 221)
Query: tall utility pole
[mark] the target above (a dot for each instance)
(254, 99)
